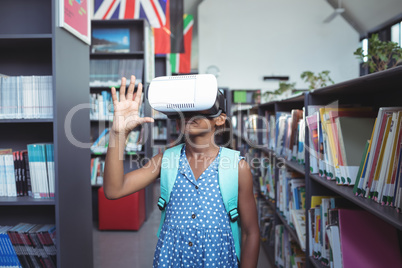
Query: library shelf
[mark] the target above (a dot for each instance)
(31, 44)
(25, 36)
(316, 263)
(25, 201)
(299, 97)
(268, 151)
(269, 250)
(386, 213)
(43, 120)
(368, 84)
(139, 29)
(101, 120)
(140, 153)
(381, 89)
(269, 201)
(160, 56)
(290, 229)
(293, 165)
(239, 135)
(132, 55)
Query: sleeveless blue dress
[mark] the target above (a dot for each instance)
(196, 231)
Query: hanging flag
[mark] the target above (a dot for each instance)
(181, 62)
(162, 15)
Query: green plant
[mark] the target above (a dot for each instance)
(381, 55)
(283, 87)
(316, 81)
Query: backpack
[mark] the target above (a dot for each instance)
(228, 170)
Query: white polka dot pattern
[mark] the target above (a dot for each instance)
(196, 231)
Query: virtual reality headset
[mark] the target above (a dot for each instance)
(186, 96)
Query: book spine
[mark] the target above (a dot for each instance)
(28, 183)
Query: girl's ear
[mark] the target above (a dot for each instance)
(220, 120)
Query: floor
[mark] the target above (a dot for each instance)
(122, 249)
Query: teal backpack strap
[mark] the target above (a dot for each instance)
(169, 169)
(228, 184)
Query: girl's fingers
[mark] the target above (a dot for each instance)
(146, 120)
(131, 87)
(139, 93)
(123, 89)
(114, 96)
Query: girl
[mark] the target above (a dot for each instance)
(196, 231)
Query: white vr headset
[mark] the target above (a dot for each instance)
(189, 95)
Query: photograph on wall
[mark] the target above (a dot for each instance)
(110, 40)
(74, 16)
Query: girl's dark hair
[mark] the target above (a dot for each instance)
(223, 136)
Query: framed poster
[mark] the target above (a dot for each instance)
(74, 16)
(110, 40)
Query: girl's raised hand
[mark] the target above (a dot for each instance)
(126, 110)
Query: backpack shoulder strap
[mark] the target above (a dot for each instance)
(169, 169)
(228, 184)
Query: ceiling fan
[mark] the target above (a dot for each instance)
(336, 12)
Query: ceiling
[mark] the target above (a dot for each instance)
(367, 15)
(363, 15)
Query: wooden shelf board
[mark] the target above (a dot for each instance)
(25, 201)
(386, 213)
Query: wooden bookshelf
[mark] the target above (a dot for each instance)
(32, 44)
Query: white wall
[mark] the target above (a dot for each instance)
(251, 39)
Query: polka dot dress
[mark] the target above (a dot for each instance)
(196, 231)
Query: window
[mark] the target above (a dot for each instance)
(396, 33)
(365, 48)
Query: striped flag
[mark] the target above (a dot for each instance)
(161, 15)
(181, 62)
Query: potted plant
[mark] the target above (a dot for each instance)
(284, 88)
(381, 55)
(316, 81)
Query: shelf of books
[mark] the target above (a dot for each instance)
(109, 62)
(337, 171)
(43, 196)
